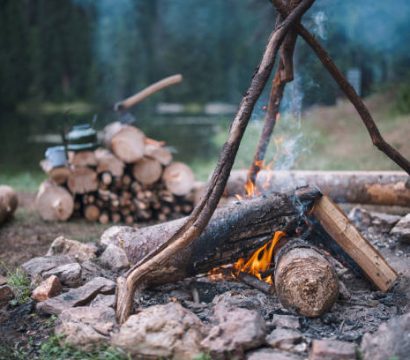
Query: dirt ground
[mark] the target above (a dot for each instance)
(27, 235)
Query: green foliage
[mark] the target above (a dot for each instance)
(202, 356)
(403, 99)
(54, 348)
(20, 283)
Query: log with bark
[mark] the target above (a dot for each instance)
(234, 231)
(8, 202)
(54, 202)
(125, 141)
(364, 187)
(304, 280)
(58, 174)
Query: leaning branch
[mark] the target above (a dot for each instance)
(202, 213)
(350, 92)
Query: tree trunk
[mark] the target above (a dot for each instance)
(125, 141)
(8, 203)
(364, 187)
(233, 232)
(304, 280)
(54, 202)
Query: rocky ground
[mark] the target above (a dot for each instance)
(70, 293)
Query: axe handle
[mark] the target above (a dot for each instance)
(152, 89)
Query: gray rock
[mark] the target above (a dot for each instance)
(103, 300)
(380, 221)
(236, 331)
(3, 280)
(270, 354)
(85, 327)
(80, 251)
(110, 236)
(286, 339)
(286, 321)
(161, 331)
(6, 294)
(391, 340)
(68, 274)
(39, 265)
(77, 297)
(402, 229)
(332, 350)
(114, 258)
(47, 289)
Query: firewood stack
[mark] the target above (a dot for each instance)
(132, 179)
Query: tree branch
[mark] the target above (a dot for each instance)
(349, 91)
(203, 211)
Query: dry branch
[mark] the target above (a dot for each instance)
(203, 211)
(349, 91)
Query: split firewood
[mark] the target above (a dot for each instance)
(364, 187)
(104, 218)
(234, 231)
(106, 178)
(82, 158)
(125, 141)
(82, 180)
(178, 178)
(54, 202)
(304, 280)
(92, 213)
(338, 226)
(108, 162)
(8, 202)
(58, 174)
(147, 171)
(159, 153)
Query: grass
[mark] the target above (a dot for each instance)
(54, 348)
(20, 283)
(23, 181)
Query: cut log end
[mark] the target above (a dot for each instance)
(179, 178)
(53, 202)
(304, 280)
(147, 171)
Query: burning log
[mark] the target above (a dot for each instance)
(304, 280)
(54, 202)
(8, 202)
(125, 141)
(233, 232)
(364, 187)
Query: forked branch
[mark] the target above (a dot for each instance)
(203, 211)
(349, 91)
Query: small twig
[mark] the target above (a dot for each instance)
(256, 283)
(349, 91)
(204, 210)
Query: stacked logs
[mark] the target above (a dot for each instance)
(132, 179)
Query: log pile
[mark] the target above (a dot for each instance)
(132, 179)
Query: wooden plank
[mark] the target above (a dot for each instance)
(338, 226)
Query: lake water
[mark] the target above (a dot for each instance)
(24, 138)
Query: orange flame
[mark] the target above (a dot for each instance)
(250, 188)
(260, 260)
